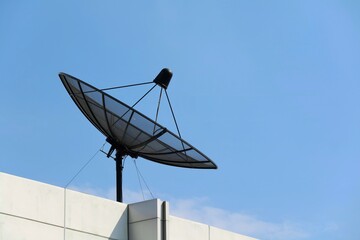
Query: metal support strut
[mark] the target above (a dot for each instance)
(119, 169)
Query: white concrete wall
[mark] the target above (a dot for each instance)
(31, 210)
(182, 229)
(145, 220)
(97, 216)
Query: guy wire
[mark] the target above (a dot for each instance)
(143, 179)
(84, 166)
(72, 179)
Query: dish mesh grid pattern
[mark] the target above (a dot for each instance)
(132, 131)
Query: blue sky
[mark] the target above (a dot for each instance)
(268, 89)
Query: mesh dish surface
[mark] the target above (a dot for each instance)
(134, 132)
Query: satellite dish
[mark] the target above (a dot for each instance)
(130, 132)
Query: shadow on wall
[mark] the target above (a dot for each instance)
(119, 233)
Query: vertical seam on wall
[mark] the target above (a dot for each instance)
(128, 223)
(162, 221)
(64, 213)
(209, 232)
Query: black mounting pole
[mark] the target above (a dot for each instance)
(119, 169)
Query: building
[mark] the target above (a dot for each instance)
(31, 210)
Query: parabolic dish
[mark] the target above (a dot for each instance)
(131, 131)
